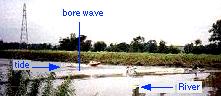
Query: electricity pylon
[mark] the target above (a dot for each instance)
(24, 30)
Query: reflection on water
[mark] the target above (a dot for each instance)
(105, 80)
(214, 81)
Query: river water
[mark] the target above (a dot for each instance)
(113, 80)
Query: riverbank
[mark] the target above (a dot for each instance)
(117, 58)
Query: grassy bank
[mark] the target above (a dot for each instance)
(117, 58)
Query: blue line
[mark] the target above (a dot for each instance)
(79, 49)
(40, 67)
(161, 87)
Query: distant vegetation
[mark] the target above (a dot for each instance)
(118, 58)
(138, 44)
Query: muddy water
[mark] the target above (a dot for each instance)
(108, 80)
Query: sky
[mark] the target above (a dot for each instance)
(177, 22)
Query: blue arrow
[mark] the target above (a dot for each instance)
(148, 87)
(53, 67)
(50, 67)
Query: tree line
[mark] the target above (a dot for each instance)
(71, 44)
(138, 44)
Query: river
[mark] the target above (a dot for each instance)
(112, 80)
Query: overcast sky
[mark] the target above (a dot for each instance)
(175, 21)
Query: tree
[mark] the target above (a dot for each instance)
(137, 45)
(68, 43)
(216, 33)
(86, 46)
(151, 46)
(173, 50)
(212, 48)
(198, 42)
(112, 48)
(162, 47)
(42, 46)
(188, 48)
(123, 47)
(99, 46)
(216, 36)
(198, 49)
(1, 44)
(71, 43)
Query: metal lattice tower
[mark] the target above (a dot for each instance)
(24, 30)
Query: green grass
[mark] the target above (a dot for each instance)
(116, 57)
